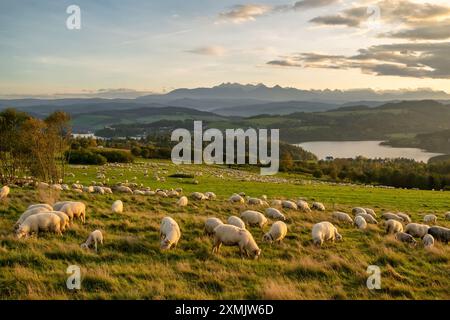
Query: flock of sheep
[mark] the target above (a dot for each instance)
(235, 232)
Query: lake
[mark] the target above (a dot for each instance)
(368, 149)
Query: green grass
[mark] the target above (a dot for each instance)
(131, 266)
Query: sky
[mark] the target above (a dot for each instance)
(135, 47)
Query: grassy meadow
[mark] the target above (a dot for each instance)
(130, 264)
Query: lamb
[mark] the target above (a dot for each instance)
(4, 192)
(428, 241)
(235, 198)
(342, 217)
(236, 221)
(277, 232)
(325, 231)
(393, 226)
(233, 236)
(183, 201)
(211, 224)
(318, 206)
(94, 238)
(417, 229)
(440, 233)
(391, 216)
(253, 218)
(28, 213)
(75, 210)
(45, 221)
(117, 206)
(289, 205)
(430, 218)
(275, 214)
(405, 237)
(360, 222)
(170, 233)
(371, 212)
(357, 210)
(302, 205)
(198, 196)
(210, 195)
(367, 217)
(404, 216)
(40, 205)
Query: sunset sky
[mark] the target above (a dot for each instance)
(156, 46)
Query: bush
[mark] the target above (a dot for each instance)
(84, 156)
(116, 156)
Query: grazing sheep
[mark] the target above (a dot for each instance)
(302, 205)
(44, 221)
(371, 212)
(393, 226)
(161, 193)
(173, 194)
(289, 205)
(342, 217)
(183, 201)
(75, 210)
(99, 190)
(254, 218)
(58, 205)
(94, 238)
(440, 233)
(107, 190)
(117, 206)
(275, 214)
(170, 233)
(447, 215)
(430, 218)
(318, 206)
(211, 224)
(277, 232)
(235, 198)
(325, 231)
(417, 229)
(28, 213)
(4, 191)
(210, 195)
(198, 196)
(65, 220)
(404, 216)
(236, 221)
(123, 189)
(360, 222)
(229, 235)
(367, 217)
(391, 216)
(357, 210)
(276, 203)
(428, 241)
(405, 237)
(254, 201)
(40, 205)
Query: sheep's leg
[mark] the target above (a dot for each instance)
(95, 245)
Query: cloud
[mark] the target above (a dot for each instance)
(440, 31)
(209, 51)
(416, 60)
(336, 20)
(310, 4)
(244, 13)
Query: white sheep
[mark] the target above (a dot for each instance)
(430, 218)
(417, 229)
(210, 195)
(123, 189)
(369, 218)
(277, 232)
(169, 233)
(289, 205)
(65, 221)
(404, 216)
(302, 205)
(94, 238)
(117, 206)
(183, 201)
(428, 241)
(58, 205)
(342, 217)
(229, 235)
(198, 196)
(276, 203)
(275, 214)
(211, 224)
(405, 237)
(236, 221)
(28, 213)
(4, 192)
(235, 198)
(325, 231)
(40, 205)
(393, 226)
(357, 210)
(447, 215)
(360, 222)
(254, 218)
(392, 216)
(44, 221)
(75, 210)
(371, 212)
(318, 206)
(254, 201)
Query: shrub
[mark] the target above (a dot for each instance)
(84, 156)
(116, 156)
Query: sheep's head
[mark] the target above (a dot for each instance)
(165, 244)
(338, 237)
(84, 246)
(267, 237)
(22, 231)
(256, 253)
